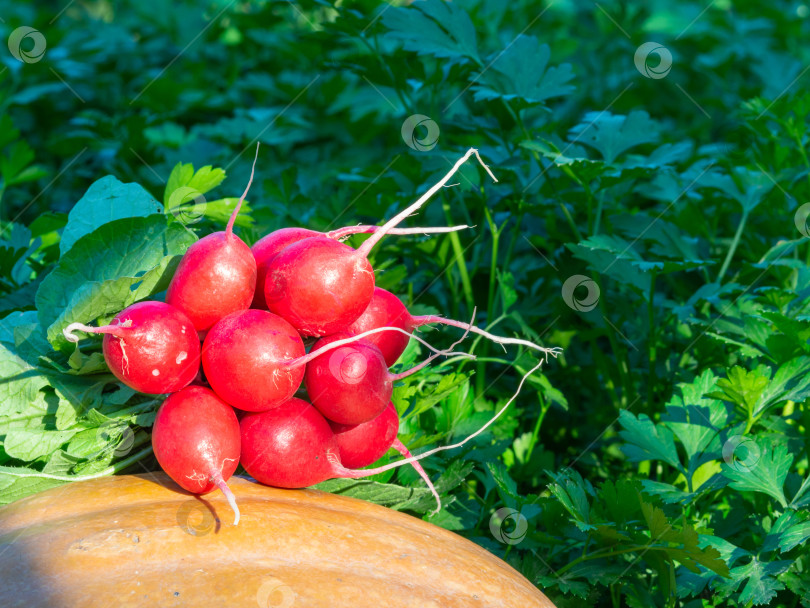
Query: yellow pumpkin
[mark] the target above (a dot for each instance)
(138, 540)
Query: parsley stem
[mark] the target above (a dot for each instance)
(733, 247)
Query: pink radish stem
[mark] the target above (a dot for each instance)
(217, 479)
(429, 319)
(366, 247)
(342, 471)
(338, 343)
(119, 331)
(342, 233)
(400, 447)
(229, 228)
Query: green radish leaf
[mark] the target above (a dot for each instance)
(220, 211)
(203, 180)
(18, 482)
(21, 391)
(120, 263)
(386, 494)
(106, 200)
(29, 444)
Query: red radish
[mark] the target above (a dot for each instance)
(216, 276)
(267, 247)
(246, 358)
(386, 310)
(287, 446)
(255, 360)
(352, 384)
(197, 442)
(362, 444)
(321, 286)
(150, 346)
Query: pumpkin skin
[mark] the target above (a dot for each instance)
(140, 541)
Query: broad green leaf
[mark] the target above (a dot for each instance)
(18, 482)
(744, 388)
(507, 487)
(389, 495)
(789, 531)
(573, 492)
(521, 72)
(106, 200)
(612, 134)
(647, 441)
(759, 578)
(203, 180)
(433, 27)
(21, 388)
(693, 417)
(763, 472)
(118, 264)
(30, 444)
(790, 382)
(748, 187)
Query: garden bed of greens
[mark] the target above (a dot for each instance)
(650, 219)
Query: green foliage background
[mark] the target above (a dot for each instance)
(662, 460)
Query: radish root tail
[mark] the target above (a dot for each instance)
(217, 479)
(354, 474)
(400, 447)
(365, 248)
(344, 233)
(338, 343)
(229, 228)
(469, 327)
(449, 351)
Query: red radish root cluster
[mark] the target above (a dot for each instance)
(240, 315)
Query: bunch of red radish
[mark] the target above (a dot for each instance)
(232, 398)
